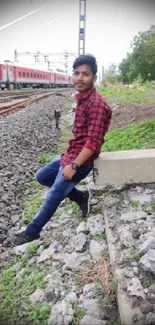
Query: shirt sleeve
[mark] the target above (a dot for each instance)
(98, 124)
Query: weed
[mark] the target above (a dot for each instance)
(100, 236)
(39, 314)
(78, 315)
(153, 206)
(104, 253)
(117, 321)
(77, 278)
(44, 158)
(114, 284)
(73, 208)
(98, 288)
(96, 210)
(34, 200)
(31, 249)
(16, 292)
(135, 204)
(149, 207)
(133, 255)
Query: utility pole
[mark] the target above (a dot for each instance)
(102, 73)
(66, 55)
(82, 26)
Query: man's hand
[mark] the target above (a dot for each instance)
(68, 172)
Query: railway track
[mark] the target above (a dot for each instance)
(11, 102)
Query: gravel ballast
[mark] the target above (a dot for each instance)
(23, 136)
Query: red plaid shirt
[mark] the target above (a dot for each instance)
(92, 120)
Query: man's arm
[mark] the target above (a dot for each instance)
(84, 155)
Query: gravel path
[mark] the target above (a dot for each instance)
(23, 136)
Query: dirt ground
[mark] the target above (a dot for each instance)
(124, 114)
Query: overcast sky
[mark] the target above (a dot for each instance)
(53, 25)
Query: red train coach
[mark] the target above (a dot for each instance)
(17, 76)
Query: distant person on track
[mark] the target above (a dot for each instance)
(92, 120)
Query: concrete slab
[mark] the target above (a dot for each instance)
(125, 167)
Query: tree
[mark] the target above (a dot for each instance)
(124, 68)
(142, 59)
(111, 73)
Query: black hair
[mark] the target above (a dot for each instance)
(88, 59)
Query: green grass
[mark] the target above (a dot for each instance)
(78, 315)
(14, 299)
(100, 236)
(32, 204)
(133, 136)
(31, 249)
(33, 201)
(44, 158)
(136, 204)
(104, 253)
(127, 95)
(66, 135)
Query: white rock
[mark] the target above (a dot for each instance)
(71, 297)
(95, 250)
(111, 201)
(77, 242)
(148, 244)
(95, 224)
(37, 296)
(125, 236)
(47, 253)
(150, 319)
(92, 307)
(135, 288)
(136, 270)
(61, 313)
(147, 261)
(88, 287)
(68, 232)
(81, 227)
(20, 250)
(89, 320)
(133, 215)
(73, 261)
(142, 198)
(16, 267)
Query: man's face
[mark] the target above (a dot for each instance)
(83, 78)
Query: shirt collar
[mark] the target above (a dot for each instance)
(85, 95)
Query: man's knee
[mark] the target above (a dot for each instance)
(39, 177)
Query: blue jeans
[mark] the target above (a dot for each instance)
(51, 176)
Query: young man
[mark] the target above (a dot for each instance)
(92, 119)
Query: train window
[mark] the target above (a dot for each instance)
(40, 76)
(27, 74)
(19, 74)
(31, 75)
(43, 76)
(34, 75)
(23, 74)
(37, 75)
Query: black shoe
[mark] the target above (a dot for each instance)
(85, 206)
(22, 238)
